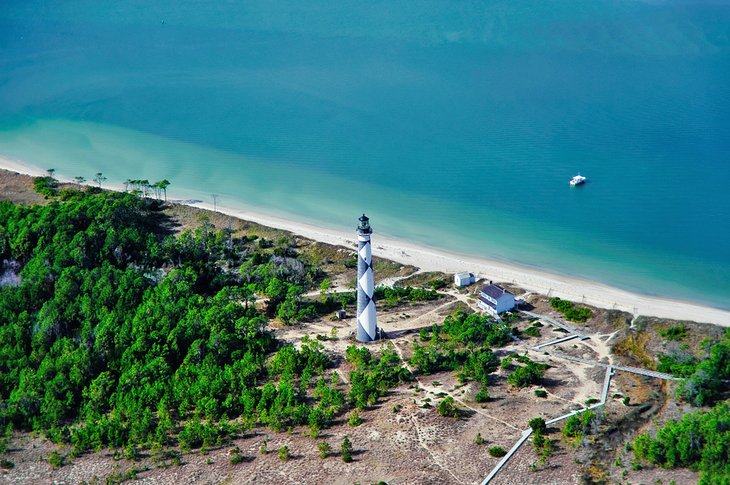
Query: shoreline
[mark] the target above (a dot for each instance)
(532, 280)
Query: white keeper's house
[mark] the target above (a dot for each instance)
(494, 299)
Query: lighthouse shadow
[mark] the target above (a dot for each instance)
(394, 334)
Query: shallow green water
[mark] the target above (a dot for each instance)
(453, 124)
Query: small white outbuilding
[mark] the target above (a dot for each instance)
(463, 279)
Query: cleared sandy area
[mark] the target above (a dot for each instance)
(431, 259)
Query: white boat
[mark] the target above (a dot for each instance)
(577, 180)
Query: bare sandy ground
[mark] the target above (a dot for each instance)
(431, 259)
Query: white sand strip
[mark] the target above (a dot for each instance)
(430, 259)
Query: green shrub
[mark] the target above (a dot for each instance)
(675, 332)
(447, 408)
(544, 446)
(355, 419)
(237, 458)
(389, 297)
(532, 332)
(523, 359)
(284, 453)
(561, 305)
(527, 375)
(47, 186)
(497, 451)
(131, 453)
(482, 395)
(324, 449)
(346, 449)
(479, 440)
(56, 460)
(541, 393)
(570, 311)
(578, 425)
(537, 425)
(578, 314)
(680, 365)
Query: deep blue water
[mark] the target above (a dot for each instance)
(456, 124)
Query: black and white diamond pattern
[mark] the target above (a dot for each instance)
(366, 317)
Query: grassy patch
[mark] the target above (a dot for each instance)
(571, 312)
(675, 332)
(386, 268)
(426, 279)
(634, 346)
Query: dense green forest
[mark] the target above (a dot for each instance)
(114, 332)
(700, 440)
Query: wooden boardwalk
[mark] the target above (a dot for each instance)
(610, 371)
(555, 342)
(557, 323)
(526, 433)
(633, 370)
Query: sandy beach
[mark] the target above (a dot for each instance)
(432, 259)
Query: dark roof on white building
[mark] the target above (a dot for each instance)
(494, 291)
(487, 302)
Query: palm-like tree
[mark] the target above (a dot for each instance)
(145, 184)
(162, 185)
(99, 178)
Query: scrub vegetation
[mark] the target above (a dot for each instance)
(698, 441)
(707, 376)
(571, 312)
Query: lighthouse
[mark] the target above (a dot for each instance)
(366, 321)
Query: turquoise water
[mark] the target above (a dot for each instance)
(455, 124)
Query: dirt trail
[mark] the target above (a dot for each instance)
(430, 452)
(436, 391)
